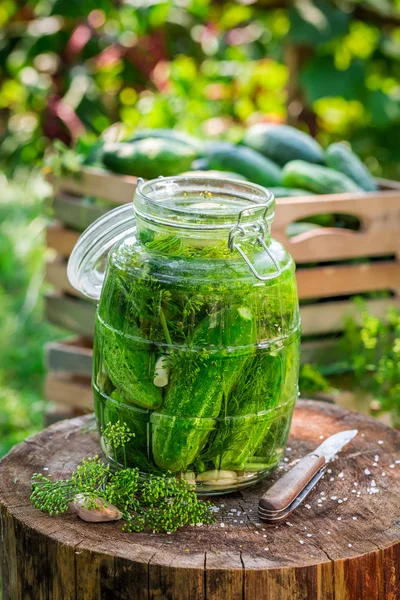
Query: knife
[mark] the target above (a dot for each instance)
(290, 490)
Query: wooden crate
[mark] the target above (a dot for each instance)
(332, 266)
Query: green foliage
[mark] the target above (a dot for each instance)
(372, 346)
(161, 503)
(209, 68)
(312, 380)
(23, 331)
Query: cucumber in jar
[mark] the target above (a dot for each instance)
(198, 384)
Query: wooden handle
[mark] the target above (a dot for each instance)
(287, 488)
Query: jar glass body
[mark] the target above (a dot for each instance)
(193, 352)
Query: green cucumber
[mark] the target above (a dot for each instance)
(284, 192)
(180, 137)
(148, 158)
(130, 367)
(200, 164)
(195, 393)
(282, 143)
(248, 411)
(320, 180)
(215, 174)
(246, 162)
(341, 158)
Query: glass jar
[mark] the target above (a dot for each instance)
(197, 331)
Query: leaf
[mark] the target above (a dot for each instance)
(383, 108)
(316, 22)
(321, 79)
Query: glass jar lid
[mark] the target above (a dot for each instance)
(88, 260)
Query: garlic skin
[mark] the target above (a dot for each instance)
(103, 511)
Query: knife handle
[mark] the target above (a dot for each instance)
(287, 488)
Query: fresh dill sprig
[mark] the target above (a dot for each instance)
(160, 503)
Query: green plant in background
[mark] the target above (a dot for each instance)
(161, 503)
(23, 332)
(205, 67)
(373, 350)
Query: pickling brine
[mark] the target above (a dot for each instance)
(197, 331)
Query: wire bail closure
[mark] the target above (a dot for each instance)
(239, 230)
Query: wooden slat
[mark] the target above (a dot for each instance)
(380, 226)
(61, 239)
(72, 356)
(322, 352)
(68, 390)
(56, 275)
(329, 317)
(71, 314)
(328, 244)
(341, 280)
(92, 181)
(74, 212)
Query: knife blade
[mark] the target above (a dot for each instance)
(285, 491)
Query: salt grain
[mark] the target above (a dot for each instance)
(375, 464)
(376, 457)
(321, 437)
(289, 524)
(288, 449)
(308, 506)
(353, 491)
(367, 471)
(266, 549)
(331, 479)
(345, 499)
(397, 462)
(286, 459)
(339, 518)
(354, 518)
(333, 497)
(380, 442)
(309, 534)
(350, 545)
(355, 484)
(223, 524)
(391, 466)
(339, 501)
(329, 533)
(341, 475)
(301, 541)
(373, 483)
(383, 474)
(329, 471)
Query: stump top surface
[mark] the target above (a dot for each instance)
(353, 511)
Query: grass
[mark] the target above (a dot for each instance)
(23, 330)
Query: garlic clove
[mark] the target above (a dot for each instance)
(102, 511)
(188, 476)
(161, 372)
(219, 477)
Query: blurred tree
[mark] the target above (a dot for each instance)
(331, 67)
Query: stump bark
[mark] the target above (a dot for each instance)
(342, 544)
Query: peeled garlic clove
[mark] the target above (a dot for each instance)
(218, 476)
(188, 476)
(102, 511)
(161, 372)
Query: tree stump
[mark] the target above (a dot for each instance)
(342, 544)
